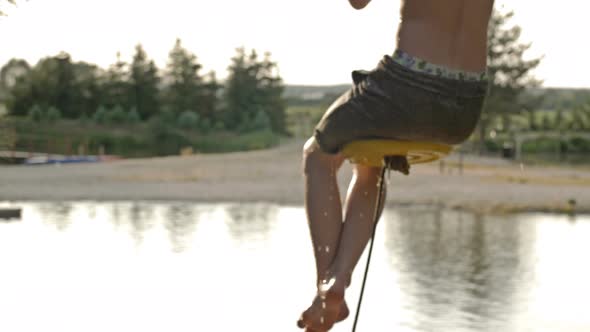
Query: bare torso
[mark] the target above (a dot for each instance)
(452, 33)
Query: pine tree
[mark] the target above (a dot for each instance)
(209, 99)
(253, 86)
(115, 85)
(144, 84)
(509, 74)
(184, 88)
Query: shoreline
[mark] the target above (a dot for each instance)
(487, 185)
(495, 210)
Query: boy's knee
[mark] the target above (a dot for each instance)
(314, 159)
(311, 156)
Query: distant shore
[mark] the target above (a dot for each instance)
(486, 185)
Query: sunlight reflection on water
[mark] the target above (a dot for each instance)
(86, 266)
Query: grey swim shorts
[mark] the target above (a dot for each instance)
(396, 102)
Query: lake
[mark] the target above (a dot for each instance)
(182, 266)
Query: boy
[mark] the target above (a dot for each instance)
(432, 89)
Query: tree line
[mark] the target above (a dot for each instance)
(57, 87)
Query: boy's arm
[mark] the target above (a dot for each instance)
(359, 4)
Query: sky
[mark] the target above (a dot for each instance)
(315, 42)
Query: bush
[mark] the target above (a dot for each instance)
(165, 140)
(128, 146)
(100, 115)
(167, 116)
(219, 126)
(53, 115)
(116, 116)
(541, 145)
(36, 113)
(188, 120)
(205, 125)
(261, 121)
(83, 118)
(493, 145)
(578, 144)
(133, 116)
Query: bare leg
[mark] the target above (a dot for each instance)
(337, 246)
(323, 204)
(324, 215)
(358, 221)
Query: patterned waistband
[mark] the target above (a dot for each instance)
(423, 66)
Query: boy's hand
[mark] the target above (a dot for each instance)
(359, 4)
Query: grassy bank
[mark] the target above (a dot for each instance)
(131, 140)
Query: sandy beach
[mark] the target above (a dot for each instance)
(486, 185)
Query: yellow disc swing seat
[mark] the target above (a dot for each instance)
(371, 152)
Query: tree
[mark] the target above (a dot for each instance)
(53, 82)
(144, 84)
(115, 84)
(14, 83)
(49, 83)
(253, 86)
(209, 98)
(509, 74)
(185, 88)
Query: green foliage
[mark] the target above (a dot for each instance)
(53, 114)
(100, 115)
(143, 85)
(116, 116)
(253, 85)
(133, 116)
(260, 122)
(510, 75)
(83, 118)
(205, 125)
(116, 84)
(188, 120)
(53, 81)
(540, 145)
(187, 88)
(219, 126)
(164, 140)
(578, 144)
(36, 113)
(547, 124)
(83, 93)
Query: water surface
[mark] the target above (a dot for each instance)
(86, 266)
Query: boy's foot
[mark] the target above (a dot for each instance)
(327, 308)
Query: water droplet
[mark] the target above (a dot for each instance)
(327, 248)
(325, 214)
(362, 215)
(323, 305)
(366, 193)
(322, 320)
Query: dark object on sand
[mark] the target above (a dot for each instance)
(10, 213)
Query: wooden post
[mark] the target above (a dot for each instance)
(460, 162)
